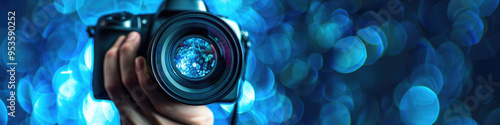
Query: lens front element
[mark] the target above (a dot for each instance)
(194, 57)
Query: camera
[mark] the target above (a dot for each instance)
(196, 57)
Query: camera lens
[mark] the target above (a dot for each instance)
(194, 57)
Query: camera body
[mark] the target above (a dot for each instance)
(196, 57)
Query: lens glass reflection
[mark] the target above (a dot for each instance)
(194, 57)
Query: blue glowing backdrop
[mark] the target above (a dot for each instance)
(310, 61)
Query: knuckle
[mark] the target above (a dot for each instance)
(126, 48)
(127, 81)
(111, 53)
(146, 83)
(164, 109)
(142, 82)
(111, 87)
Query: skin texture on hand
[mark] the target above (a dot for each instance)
(138, 99)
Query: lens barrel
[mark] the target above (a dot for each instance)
(212, 37)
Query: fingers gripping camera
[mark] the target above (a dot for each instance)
(194, 56)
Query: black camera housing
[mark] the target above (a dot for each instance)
(160, 33)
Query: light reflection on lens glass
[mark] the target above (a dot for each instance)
(194, 58)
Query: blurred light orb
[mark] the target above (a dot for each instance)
(89, 55)
(100, 111)
(294, 73)
(245, 102)
(270, 106)
(280, 43)
(65, 6)
(340, 16)
(374, 44)
(218, 112)
(413, 34)
(253, 118)
(281, 111)
(68, 89)
(396, 38)
(261, 77)
(370, 111)
(425, 53)
(432, 15)
(399, 92)
(150, 6)
(335, 114)
(3, 109)
(492, 118)
(427, 75)
(453, 57)
(467, 29)
(335, 88)
(349, 54)
(456, 7)
(315, 60)
(45, 105)
(298, 110)
(254, 22)
(24, 91)
(79, 71)
(287, 109)
(273, 12)
(251, 64)
(224, 7)
(276, 48)
(460, 120)
(487, 7)
(298, 5)
(419, 106)
(325, 34)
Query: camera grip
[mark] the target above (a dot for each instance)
(104, 37)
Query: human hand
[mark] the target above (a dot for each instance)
(138, 99)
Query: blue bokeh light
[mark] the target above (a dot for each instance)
(335, 88)
(315, 60)
(487, 7)
(467, 29)
(245, 102)
(349, 55)
(66, 6)
(294, 73)
(419, 106)
(374, 45)
(457, 120)
(492, 117)
(335, 113)
(427, 75)
(3, 117)
(396, 38)
(101, 111)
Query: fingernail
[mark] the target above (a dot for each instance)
(132, 36)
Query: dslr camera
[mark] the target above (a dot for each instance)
(196, 57)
